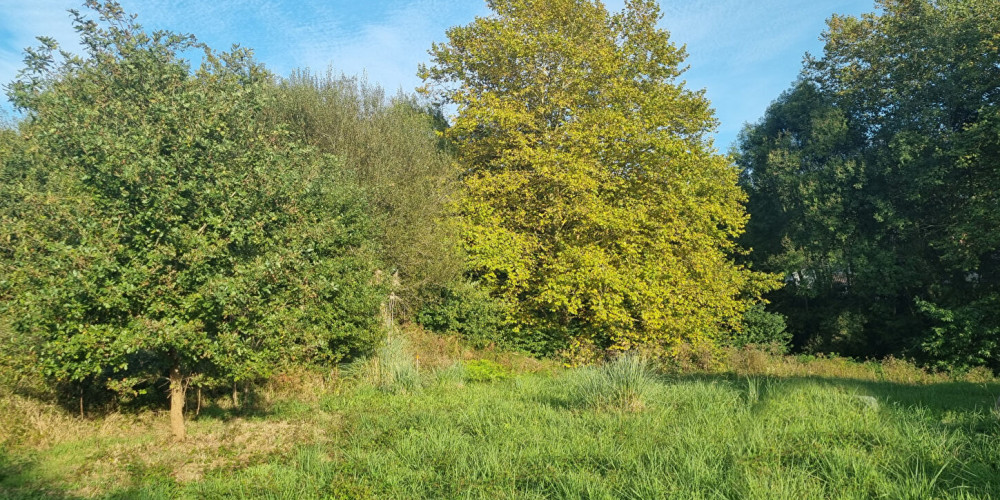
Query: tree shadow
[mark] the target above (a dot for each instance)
(17, 481)
(20, 480)
(940, 398)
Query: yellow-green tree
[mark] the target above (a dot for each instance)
(595, 202)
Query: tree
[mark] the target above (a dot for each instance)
(912, 173)
(392, 150)
(157, 227)
(594, 200)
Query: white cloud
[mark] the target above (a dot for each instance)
(743, 52)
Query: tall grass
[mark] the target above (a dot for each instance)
(539, 435)
(623, 383)
(393, 368)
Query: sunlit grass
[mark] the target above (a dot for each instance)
(534, 436)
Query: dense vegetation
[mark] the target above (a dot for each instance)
(346, 295)
(873, 186)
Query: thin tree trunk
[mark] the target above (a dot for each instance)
(197, 409)
(82, 415)
(177, 403)
(236, 396)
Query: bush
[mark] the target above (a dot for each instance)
(468, 310)
(763, 328)
(963, 337)
(484, 370)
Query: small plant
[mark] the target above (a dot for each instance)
(484, 370)
(623, 383)
(757, 387)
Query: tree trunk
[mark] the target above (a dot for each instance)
(177, 403)
(236, 396)
(197, 410)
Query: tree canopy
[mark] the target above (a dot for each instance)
(594, 201)
(156, 224)
(873, 185)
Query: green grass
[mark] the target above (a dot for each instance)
(535, 436)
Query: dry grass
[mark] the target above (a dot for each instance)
(95, 456)
(32, 423)
(437, 352)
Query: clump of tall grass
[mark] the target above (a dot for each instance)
(624, 383)
(393, 367)
(453, 375)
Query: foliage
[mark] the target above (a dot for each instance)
(467, 309)
(593, 200)
(484, 370)
(964, 337)
(392, 149)
(763, 328)
(155, 222)
(873, 184)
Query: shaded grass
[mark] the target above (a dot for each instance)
(733, 435)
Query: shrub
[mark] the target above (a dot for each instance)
(761, 327)
(963, 337)
(687, 357)
(468, 310)
(484, 370)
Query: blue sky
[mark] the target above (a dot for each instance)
(743, 52)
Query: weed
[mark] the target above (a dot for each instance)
(453, 375)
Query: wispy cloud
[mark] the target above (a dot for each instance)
(744, 53)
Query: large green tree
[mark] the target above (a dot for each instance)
(595, 202)
(873, 184)
(156, 226)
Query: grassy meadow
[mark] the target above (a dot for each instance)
(436, 420)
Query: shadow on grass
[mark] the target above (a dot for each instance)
(18, 482)
(938, 397)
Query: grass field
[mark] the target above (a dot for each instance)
(772, 427)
